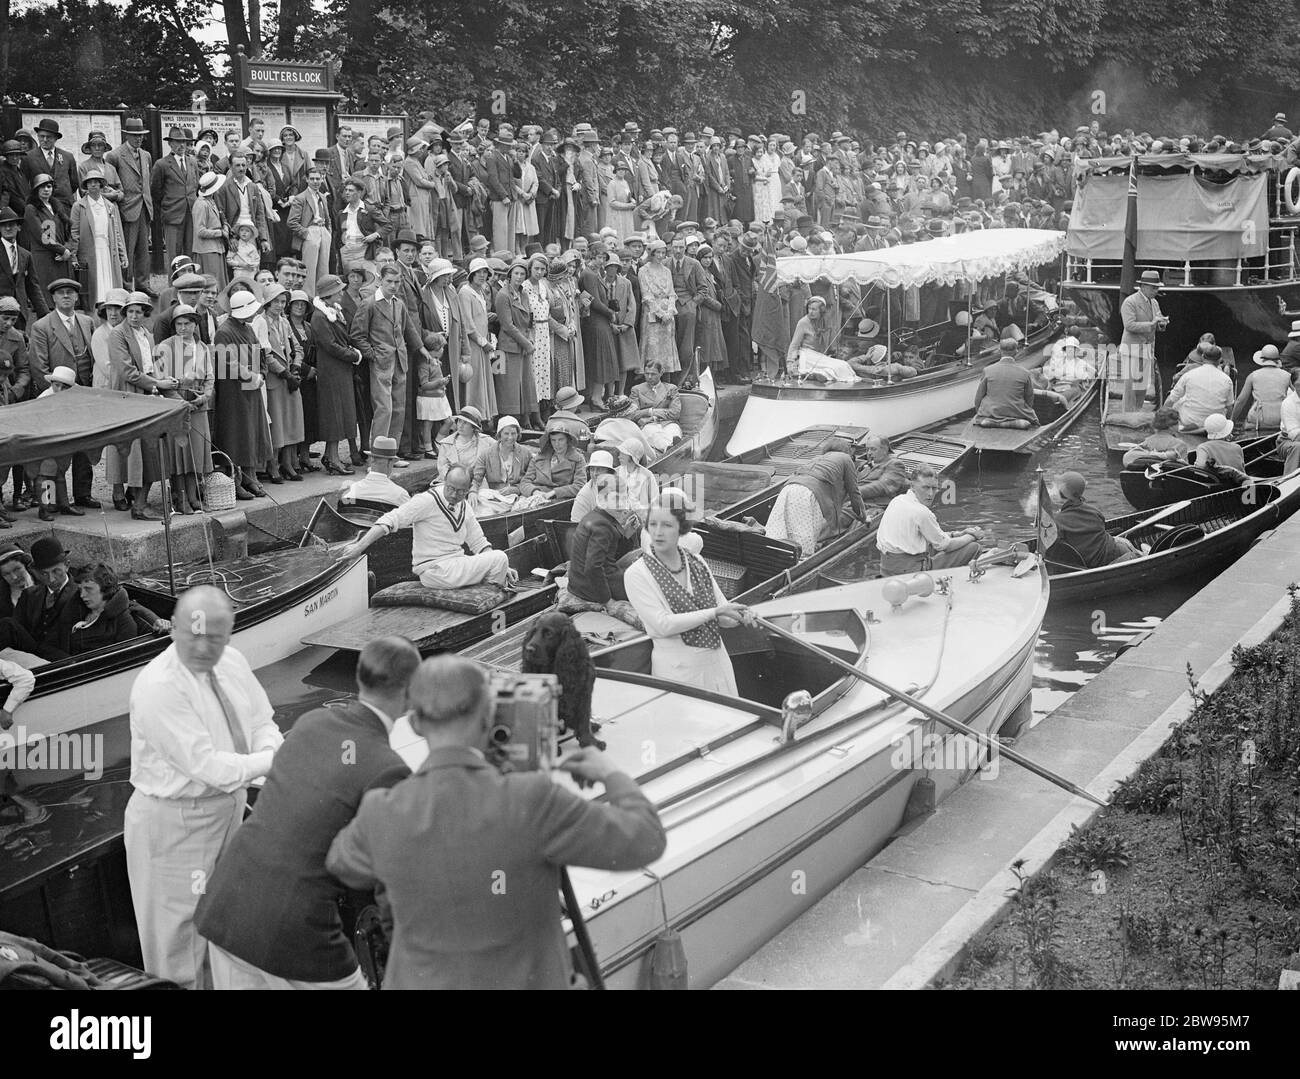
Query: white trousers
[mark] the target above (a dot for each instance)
(461, 570)
(172, 846)
(231, 972)
(316, 256)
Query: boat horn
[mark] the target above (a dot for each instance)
(897, 589)
(796, 710)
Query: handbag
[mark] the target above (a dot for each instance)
(219, 488)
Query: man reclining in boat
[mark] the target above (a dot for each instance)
(1082, 527)
(882, 476)
(873, 361)
(1005, 397)
(444, 527)
(1160, 445)
(909, 536)
(377, 484)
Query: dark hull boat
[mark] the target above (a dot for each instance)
(1150, 486)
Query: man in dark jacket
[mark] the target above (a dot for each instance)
(15, 187)
(38, 617)
(470, 859)
(17, 277)
(1005, 397)
(1083, 528)
(49, 159)
(174, 188)
(270, 912)
(595, 578)
(883, 475)
(550, 180)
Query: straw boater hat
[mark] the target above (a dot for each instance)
(1267, 357)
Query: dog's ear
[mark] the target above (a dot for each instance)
(572, 660)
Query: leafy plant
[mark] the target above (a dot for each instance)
(1096, 847)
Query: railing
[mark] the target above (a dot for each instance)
(1280, 262)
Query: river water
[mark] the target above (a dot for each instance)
(1078, 640)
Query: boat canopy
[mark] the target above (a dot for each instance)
(1234, 163)
(969, 256)
(1180, 216)
(80, 419)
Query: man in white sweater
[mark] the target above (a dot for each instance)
(1201, 391)
(444, 528)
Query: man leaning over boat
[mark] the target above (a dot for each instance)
(909, 536)
(444, 527)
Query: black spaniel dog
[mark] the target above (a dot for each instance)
(554, 646)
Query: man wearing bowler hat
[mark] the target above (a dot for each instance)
(48, 158)
(134, 168)
(175, 186)
(38, 614)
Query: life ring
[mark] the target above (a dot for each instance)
(1291, 191)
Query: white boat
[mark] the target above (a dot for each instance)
(945, 390)
(760, 826)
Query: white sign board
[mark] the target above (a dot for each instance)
(75, 127)
(371, 125)
(220, 122)
(274, 117)
(310, 122)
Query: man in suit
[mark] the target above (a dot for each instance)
(312, 229)
(550, 172)
(135, 169)
(174, 185)
(388, 337)
(36, 623)
(270, 913)
(690, 285)
(458, 168)
(241, 197)
(48, 158)
(62, 339)
(342, 164)
(443, 842)
(499, 174)
(17, 278)
(15, 187)
(587, 198)
(1142, 319)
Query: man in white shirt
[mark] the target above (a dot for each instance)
(1289, 444)
(359, 230)
(444, 526)
(377, 485)
(1202, 391)
(909, 536)
(202, 729)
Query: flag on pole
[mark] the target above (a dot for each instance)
(1045, 529)
(1128, 269)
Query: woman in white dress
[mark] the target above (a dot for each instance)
(681, 605)
(97, 240)
(122, 464)
(767, 183)
(537, 294)
(523, 211)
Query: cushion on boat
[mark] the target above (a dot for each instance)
(473, 599)
(1139, 421)
(717, 485)
(695, 406)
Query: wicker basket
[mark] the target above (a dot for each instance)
(728, 575)
(219, 488)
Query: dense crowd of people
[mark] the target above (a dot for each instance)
(382, 285)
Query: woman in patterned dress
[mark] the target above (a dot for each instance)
(537, 294)
(658, 310)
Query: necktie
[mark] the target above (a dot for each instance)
(236, 731)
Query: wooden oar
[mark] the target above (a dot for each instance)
(933, 713)
(1168, 511)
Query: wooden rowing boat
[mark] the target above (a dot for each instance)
(1147, 486)
(1054, 421)
(1198, 536)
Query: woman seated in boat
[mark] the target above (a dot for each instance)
(1005, 397)
(655, 407)
(1259, 404)
(558, 471)
(509, 459)
(870, 358)
(595, 578)
(1160, 445)
(467, 445)
(639, 485)
(14, 577)
(681, 605)
(813, 331)
(957, 338)
(1082, 527)
(600, 463)
(100, 616)
(1216, 452)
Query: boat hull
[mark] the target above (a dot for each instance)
(265, 637)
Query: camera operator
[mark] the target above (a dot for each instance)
(470, 859)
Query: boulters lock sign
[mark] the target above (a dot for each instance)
(272, 76)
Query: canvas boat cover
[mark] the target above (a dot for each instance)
(970, 256)
(81, 420)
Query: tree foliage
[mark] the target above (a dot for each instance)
(926, 66)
